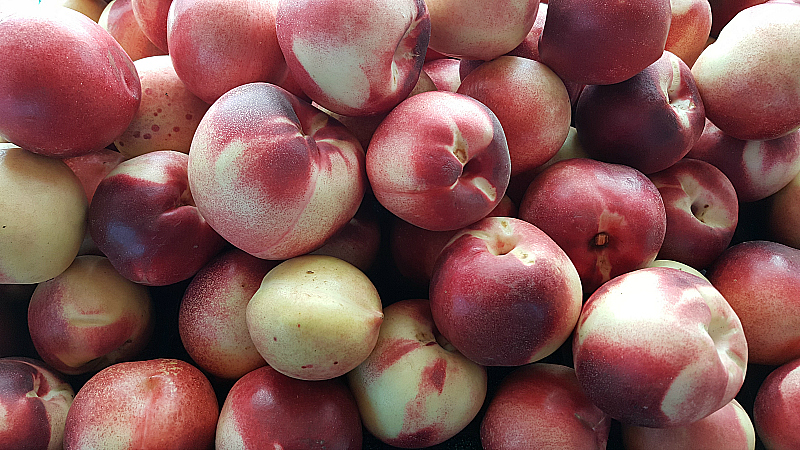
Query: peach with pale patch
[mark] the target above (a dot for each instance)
(659, 347)
(749, 77)
(354, 57)
(761, 281)
(729, 427)
(157, 403)
(439, 161)
(275, 176)
(34, 400)
(89, 317)
(415, 390)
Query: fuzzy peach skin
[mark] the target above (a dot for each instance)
(504, 293)
(659, 347)
(212, 59)
(150, 404)
(479, 30)
(756, 168)
(517, 89)
(689, 29)
(118, 20)
(749, 77)
(729, 427)
(702, 212)
(354, 57)
(414, 250)
(144, 219)
(603, 42)
(415, 390)
(784, 214)
(265, 408)
(648, 122)
(439, 161)
(776, 414)
(168, 114)
(761, 281)
(152, 18)
(68, 87)
(314, 317)
(44, 216)
(89, 317)
(34, 400)
(212, 320)
(273, 175)
(609, 218)
(542, 406)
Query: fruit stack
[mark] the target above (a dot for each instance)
(451, 224)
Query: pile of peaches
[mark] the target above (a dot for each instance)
(319, 224)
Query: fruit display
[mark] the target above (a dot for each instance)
(381, 224)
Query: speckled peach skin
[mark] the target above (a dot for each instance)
(761, 280)
(517, 89)
(729, 427)
(659, 347)
(265, 408)
(273, 175)
(649, 121)
(89, 317)
(35, 400)
(354, 57)
(89, 95)
(702, 212)
(504, 293)
(602, 42)
(444, 72)
(315, 317)
(92, 167)
(118, 20)
(757, 168)
(542, 406)
(149, 404)
(415, 390)
(439, 161)
(168, 114)
(479, 30)
(44, 216)
(608, 218)
(144, 219)
(775, 411)
(749, 77)
(212, 319)
(152, 18)
(212, 59)
(689, 29)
